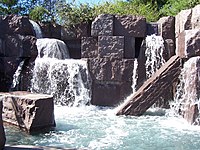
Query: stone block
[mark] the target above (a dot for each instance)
(104, 69)
(188, 43)
(128, 25)
(51, 30)
(195, 19)
(169, 49)
(183, 21)
(29, 111)
(89, 47)
(129, 47)
(167, 27)
(102, 25)
(152, 28)
(19, 46)
(111, 46)
(13, 24)
(76, 32)
(106, 93)
(2, 132)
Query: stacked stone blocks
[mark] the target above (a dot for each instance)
(111, 52)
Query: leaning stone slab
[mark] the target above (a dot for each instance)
(188, 43)
(2, 132)
(152, 89)
(128, 25)
(28, 111)
(111, 46)
(102, 25)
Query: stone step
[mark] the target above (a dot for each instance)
(152, 89)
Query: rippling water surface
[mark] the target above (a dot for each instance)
(93, 127)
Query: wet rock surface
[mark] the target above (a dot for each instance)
(2, 132)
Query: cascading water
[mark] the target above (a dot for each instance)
(187, 90)
(16, 76)
(153, 53)
(52, 48)
(37, 29)
(67, 80)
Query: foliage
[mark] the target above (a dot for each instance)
(9, 7)
(39, 13)
(72, 14)
(173, 7)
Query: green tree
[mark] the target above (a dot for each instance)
(39, 13)
(9, 7)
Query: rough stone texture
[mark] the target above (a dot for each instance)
(152, 89)
(128, 25)
(76, 32)
(183, 21)
(107, 93)
(105, 69)
(129, 47)
(189, 43)
(167, 25)
(89, 47)
(103, 25)
(28, 111)
(2, 132)
(195, 19)
(13, 24)
(111, 46)
(169, 49)
(191, 114)
(152, 28)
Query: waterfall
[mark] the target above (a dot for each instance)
(187, 90)
(135, 76)
(153, 53)
(67, 80)
(52, 48)
(16, 76)
(37, 29)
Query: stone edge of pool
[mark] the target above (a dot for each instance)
(30, 147)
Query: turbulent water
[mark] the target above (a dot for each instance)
(99, 128)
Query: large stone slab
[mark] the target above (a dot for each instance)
(19, 46)
(106, 69)
(183, 21)
(129, 47)
(89, 47)
(195, 19)
(13, 24)
(152, 89)
(28, 111)
(167, 27)
(103, 25)
(111, 46)
(128, 25)
(189, 43)
(2, 132)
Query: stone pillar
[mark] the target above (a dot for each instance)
(2, 133)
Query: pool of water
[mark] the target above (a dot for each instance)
(93, 127)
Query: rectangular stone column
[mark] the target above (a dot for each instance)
(2, 133)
